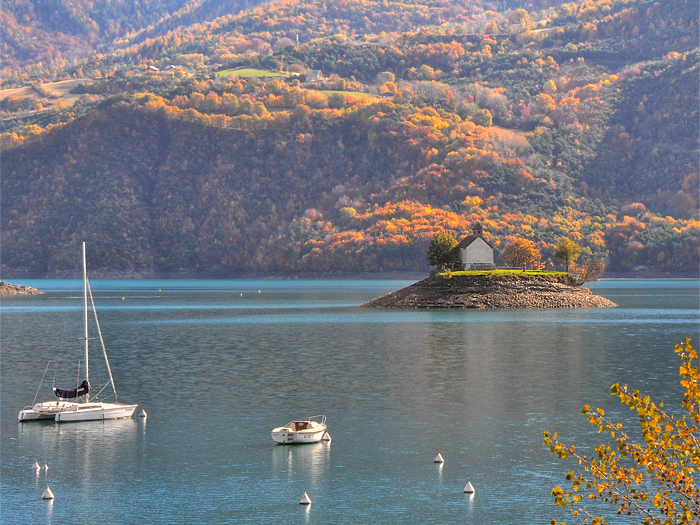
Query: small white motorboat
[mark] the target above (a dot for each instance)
(302, 431)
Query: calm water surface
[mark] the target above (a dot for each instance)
(217, 370)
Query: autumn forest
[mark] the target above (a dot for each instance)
(194, 140)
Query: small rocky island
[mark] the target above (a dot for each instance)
(494, 290)
(17, 289)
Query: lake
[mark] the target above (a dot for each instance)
(218, 364)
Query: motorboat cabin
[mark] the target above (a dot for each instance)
(309, 430)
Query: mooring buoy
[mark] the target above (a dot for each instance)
(47, 493)
(326, 437)
(305, 499)
(469, 488)
(143, 413)
(46, 467)
(36, 465)
(439, 459)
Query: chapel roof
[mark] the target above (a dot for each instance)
(476, 234)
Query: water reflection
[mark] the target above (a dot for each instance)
(105, 441)
(306, 462)
(470, 501)
(49, 511)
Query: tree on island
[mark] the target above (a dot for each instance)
(442, 251)
(589, 271)
(522, 253)
(566, 252)
(652, 478)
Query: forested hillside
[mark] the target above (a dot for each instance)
(52, 34)
(559, 119)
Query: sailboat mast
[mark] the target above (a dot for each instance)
(85, 311)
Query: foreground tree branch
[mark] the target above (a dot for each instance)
(652, 478)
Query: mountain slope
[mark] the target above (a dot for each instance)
(577, 120)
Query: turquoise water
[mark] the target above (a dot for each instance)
(217, 370)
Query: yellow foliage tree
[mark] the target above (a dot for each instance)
(652, 478)
(566, 252)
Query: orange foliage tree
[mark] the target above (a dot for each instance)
(522, 253)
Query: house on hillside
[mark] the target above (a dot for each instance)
(313, 75)
(475, 252)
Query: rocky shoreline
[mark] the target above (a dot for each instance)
(17, 289)
(484, 291)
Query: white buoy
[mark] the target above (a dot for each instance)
(36, 465)
(47, 493)
(46, 467)
(469, 488)
(438, 458)
(143, 413)
(305, 499)
(326, 437)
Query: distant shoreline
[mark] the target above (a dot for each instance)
(17, 289)
(110, 273)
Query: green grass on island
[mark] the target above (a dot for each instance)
(249, 73)
(537, 274)
(498, 273)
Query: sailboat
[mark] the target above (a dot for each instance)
(82, 409)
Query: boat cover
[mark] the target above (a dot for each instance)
(70, 393)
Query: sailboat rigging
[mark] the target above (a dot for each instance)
(65, 410)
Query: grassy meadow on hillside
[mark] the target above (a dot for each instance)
(246, 72)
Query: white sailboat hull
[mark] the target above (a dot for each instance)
(41, 411)
(95, 412)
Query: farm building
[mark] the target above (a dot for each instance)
(313, 75)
